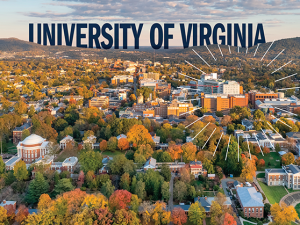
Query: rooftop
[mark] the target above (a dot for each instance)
(250, 197)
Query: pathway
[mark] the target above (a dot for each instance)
(291, 198)
(170, 204)
(224, 185)
(260, 189)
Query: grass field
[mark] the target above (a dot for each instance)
(66, 154)
(273, 193)
(273, 158)
(112, 154)
(12, 149)
(260, 175)
(297, 207)
(247, 223)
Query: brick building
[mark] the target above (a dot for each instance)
(197, 169)
(18, 131)
(99, 101)
(122, 79)
(255, 95)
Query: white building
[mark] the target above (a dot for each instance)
(67, 139)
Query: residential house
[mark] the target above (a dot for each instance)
(197, 169)
(150, 164)
(247, 124)
(67, 139)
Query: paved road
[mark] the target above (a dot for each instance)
(224, 185)
(134, 86)
(170, 204)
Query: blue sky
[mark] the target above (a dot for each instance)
(280, 18)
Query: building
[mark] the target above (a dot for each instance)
(18, 131)
(288, 176)
(251, 202)
(197, 169)
(73, 97)
(150, 75)
(32, 149)
(90, 142)
(122, 79)
(66, 140)
(247, 124)
(220, 102)
(150, 164)
(173, 109)
(256, 95)
(5, 204)
(99, 101)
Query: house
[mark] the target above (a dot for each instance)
(121, 136)
(156, 139)
(18, 131)
(251, 201)
(6, 204)
(196, 168)
(67, 139)
(90, 141)
(189, 139)
(247, 124)
(104, 168)
(150, 164)
(288, 176)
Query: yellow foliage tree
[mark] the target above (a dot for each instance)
(45, 202)
(3, 215)
(283, 215)
(95, 201)
(249, 169)
(160, 216)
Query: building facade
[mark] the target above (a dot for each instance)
(121, 79)
(18, 131)
(99, 101)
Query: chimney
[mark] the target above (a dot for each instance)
(242, 184)
(198, 198)
(42, 157)
(195, 160)
(205, 197)
(4, 201)
(69, 159)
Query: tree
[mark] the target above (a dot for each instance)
(283, 215)
(165, 192)
(261, 163)
(103, 216)
(266, 150)
(112, 144)
(178, 216)
(123, 144)
(288, 158)
(267, 209)
(216, 213)
(90, 160)
(22, 213)
(123, 216)
(175, 151)
(60, 124)
(229, 220)
(226, 120)
(140, 189)
(180, 190)
(249, 169)
(125, 182)
(20, 171)
(166, 172)
(44, 202)
(159, 215)
(25, 134)
(3, 216)
(63, 185)
(196, 213)
(37, 187)
(185, 175)
(120, 199)
(103, 145)
(277, 148)
(139, 135)
(107, 189)
(119, 165)
(2, 166)
(132, 97)
(259, 115)
(189, 152)
(20, 107)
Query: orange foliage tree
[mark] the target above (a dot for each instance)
(139, 135)
(288, 158)
(44, 202)
(22, 213)
(103, 145)
(229, 220)
(189, 151)
(120, 199)
(123, 144)
(261, 163)
(178, 216)
(266, 150)
(175, 151)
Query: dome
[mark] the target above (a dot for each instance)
(33, 139)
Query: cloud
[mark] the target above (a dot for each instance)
(168, 11)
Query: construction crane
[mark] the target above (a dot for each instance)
(202, 85)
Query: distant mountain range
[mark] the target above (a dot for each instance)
(291, 52)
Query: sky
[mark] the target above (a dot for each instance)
(280, 18)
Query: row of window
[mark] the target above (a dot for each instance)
(252, 210)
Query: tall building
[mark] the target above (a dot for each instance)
(173, 109)
(124, 79)
(220, 102)
(150, 75)
(256, 95)
(99, 101)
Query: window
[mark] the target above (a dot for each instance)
(245, 210)
(256, 209)
(253, 210)
(260, 209)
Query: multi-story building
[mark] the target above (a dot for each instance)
(220, 102)
(123, 79)
(73, 97)
(18, 131)
(99, 101)
(288, 176)
(251, 201)
(256, 95)
(65, 141)
(151, 75)
(197, 169)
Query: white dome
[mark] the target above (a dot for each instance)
(33, 139)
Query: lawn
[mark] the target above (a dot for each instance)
(248, 223)
(297, 207)
(12, 149)
(112, 154)
(261, 175)
(273, 193)
(65, 154)
(208, 193)
(271, 158)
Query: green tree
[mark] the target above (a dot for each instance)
(20, 171)
(107, 189)
(259, 115)
(2, 166)
(277, 148)
(125, 182)
(165, 192)
(60, 124)
(166, 172)
(112, 144)
(63, 185)
(196, 213)
(90, 160)
(180, 190)
(37, 187)
(119, 165)
(140, 189)
(133, 184)
(25, 134)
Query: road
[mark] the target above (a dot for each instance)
(224, 185)
(170, 204)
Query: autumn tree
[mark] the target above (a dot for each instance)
(175, 151)
(226, 120)
(196, 213)
(125, 182)
(3, 216)
(189, 152)
(266, 150)
(20, 171)
(123, 144)
(249, 169)
(132, 97)
(44, 202)
(261, 163)
(120, 199)
(37, 187)
(123, 216)
(178, 216)
(144, 151)
(103, 216)
(288, 158)
(103, 145)
(20, 107)
(139, 135)
(229, 220)
(283, 215)
(22, 213)
(2, 166)
(159, 214)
